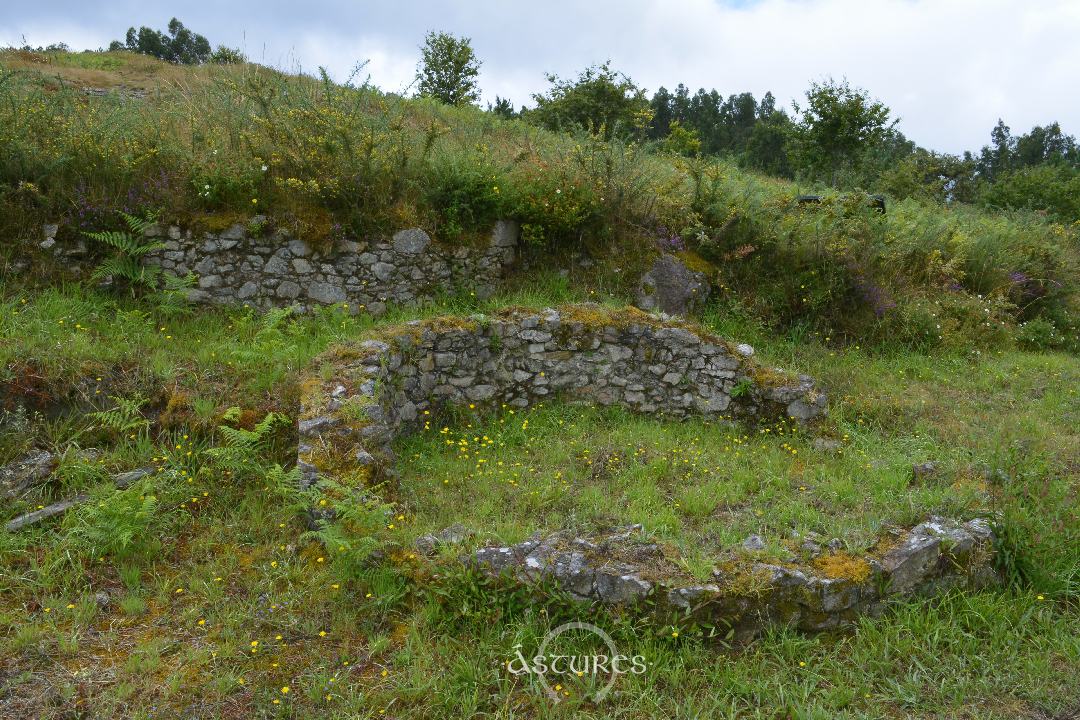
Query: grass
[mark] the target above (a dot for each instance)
(200, 590)
(222, 560)
(215, 145)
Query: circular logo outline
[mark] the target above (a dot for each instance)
(578, 625)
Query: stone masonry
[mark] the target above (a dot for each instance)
(277, 270)
(357, 398)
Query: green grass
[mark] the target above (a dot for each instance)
(400, 642)
(216, 145)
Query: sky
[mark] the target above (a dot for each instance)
(947, 68)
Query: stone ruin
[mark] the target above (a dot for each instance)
(357, 398)
(243, 265)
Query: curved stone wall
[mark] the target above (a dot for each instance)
(277, 270)
(812, 591)
(357, 398)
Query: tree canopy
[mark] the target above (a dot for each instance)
(448, 70)
(180, 45)
(601, 100)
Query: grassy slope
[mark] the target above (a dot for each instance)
(218, 559)
(247, 571)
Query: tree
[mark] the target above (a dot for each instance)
(838, 126)
(448, 69)
(767, 149)
(996, 158)
(681, 141)
(503, 108)
(225, 55)
(180, 46)
(603, 101)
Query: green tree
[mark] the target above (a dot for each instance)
(838, 126)
(448, 69)
(768, 148)
(180, 45)
(680, 140)
(228, 56)
(603, 101)
(503, 108)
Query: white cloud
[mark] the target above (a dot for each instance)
(948, 68)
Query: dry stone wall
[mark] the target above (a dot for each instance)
(744, 596)
(358, 398)
(277, 270)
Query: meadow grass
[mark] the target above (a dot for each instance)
(216, 145)
(200, 591)
(220, 598)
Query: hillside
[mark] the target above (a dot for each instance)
(310, 472)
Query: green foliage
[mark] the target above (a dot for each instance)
(1040, 334)
(1053, 189)
(180, 45)
(128, 250)
(127, 417)
(115, 522)
(601, 100)
(681, 141)
(837, 125)
(448, 70)
(126, 264)
(1011, 558)
(225, 55)
(242, 450)
(465, 191)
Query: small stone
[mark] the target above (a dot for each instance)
(924, 470)
(235, 232)
(671, 287)
(754, 543)
(825, 445)
(506, 233)
(453, 535)
(745, 350)
(299, 248)
(288, 290)
(383, 271)
(49, 231)
(47, 243)
(25, 472)
(615, 589)
(325, 293)
(101, 598)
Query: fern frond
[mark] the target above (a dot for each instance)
(137, 224)
(120, 266)
(122, 241)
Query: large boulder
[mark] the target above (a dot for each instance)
(671, 287)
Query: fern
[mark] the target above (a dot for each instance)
(242, 449)
(115, 523)
(129, 248)
(126, 417)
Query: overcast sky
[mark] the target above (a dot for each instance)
(948, 68)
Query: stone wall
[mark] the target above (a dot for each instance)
(358, 398)
(812, 591)
(277, 270)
